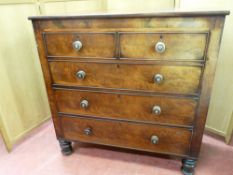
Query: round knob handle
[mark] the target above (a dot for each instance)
(158, 78)
(154, 139)
(77, 45)
(156, 110)
(84, 104)
(160, 47)
(81, 74)
(87, 131)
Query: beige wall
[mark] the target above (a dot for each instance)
(53, 7)
(23, 103)
(138, 6)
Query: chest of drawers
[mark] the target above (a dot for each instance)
(136, 81)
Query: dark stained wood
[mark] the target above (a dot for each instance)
(66, 147)
(177, 23)
(177, 79)
(179, 46)
(47, 79)
(119, 79)
(207, 84)
(155, 23)
(188, 166)
(177, 111)
(123, 134)
(137, 15)
(93, 44)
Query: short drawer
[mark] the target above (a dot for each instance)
(147, 77)
(152, 109)
(129, 135)
(163, 46)
(81, 45)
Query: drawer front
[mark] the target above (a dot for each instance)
(163, 46)
(156, 109)
(176, 79)
(91, 45)
(136, 136)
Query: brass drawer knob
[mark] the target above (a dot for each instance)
(84, 104)
(81, 74)
(156, 110)
(158, 78)
(87, 131)
(160, 47)
(77, 45)
(154, 139)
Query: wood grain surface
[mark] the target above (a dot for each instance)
(177, 79)
(125, 120)
(176, 111)
(93, 44)
(123, 134)
(179, 46)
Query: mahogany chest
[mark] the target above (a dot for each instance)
(136, 81)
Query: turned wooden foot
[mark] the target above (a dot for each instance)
(188, 166)
(66, 147)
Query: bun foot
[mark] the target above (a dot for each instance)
(188, 166)
(66, 147)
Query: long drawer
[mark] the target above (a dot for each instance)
(152, 109)
(130, 135)
(144, 77)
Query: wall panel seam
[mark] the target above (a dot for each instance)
(21, 135)
(12, 2)
(216, 131)
(17, 2)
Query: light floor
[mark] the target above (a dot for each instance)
(39, 154)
